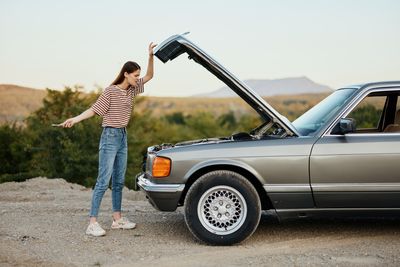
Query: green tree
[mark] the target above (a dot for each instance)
(68, 153)
(14, 149)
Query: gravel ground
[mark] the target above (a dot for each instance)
(43, 223)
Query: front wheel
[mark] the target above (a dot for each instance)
(222, 208)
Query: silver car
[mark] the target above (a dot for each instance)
(331, 160)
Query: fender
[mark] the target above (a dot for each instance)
(231, 162)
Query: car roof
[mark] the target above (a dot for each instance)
(370, 85)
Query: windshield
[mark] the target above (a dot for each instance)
(315, 118)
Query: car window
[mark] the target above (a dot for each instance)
(368, 113)
(378, 112)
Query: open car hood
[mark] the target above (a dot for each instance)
(178, 44)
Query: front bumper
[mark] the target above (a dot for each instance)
(164, 197)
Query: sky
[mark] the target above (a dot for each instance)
(53, 44)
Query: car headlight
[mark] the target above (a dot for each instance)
(161, 167)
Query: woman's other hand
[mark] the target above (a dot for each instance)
(68, 123)
(151, 47)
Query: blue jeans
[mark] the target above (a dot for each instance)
(113, 154)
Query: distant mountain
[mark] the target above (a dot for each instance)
(286, 86)
(17, 102)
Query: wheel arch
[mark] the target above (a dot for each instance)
(262, 194)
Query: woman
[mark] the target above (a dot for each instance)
(115, 106)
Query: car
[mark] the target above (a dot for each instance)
(337, 158)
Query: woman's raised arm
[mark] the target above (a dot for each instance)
(150, 64)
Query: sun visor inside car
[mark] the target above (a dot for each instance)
(171, 51)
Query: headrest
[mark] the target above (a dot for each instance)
(397, 118)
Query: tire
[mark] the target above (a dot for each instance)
(222, 208)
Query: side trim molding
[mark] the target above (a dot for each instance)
(287, 188)
(356, 187)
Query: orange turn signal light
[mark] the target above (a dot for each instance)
(161, 167)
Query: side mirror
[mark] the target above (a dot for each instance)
(345, 126)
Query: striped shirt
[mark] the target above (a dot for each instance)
(115, 104)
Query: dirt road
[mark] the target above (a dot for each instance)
(43, 223)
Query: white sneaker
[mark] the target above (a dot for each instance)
(122, 223)
(95, 229)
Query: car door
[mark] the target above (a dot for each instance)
(360, 169)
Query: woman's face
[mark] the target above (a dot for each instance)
(133, 77)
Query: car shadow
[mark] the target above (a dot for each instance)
(173, 226)
(271, 228)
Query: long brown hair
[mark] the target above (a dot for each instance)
(128, 67)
